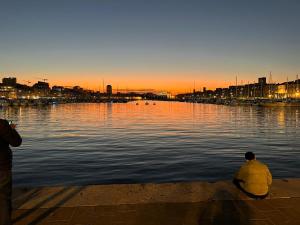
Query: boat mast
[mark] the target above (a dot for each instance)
(297, 87)
(103, 86)
(287, 87)
(235, 86)
(248, 89)
(270, 84)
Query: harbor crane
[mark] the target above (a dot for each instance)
(43, 79)
(27, 81)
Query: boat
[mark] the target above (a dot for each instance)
(147, 103)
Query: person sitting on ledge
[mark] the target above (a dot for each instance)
(253, 178)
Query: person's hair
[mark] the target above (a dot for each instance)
(249, 156)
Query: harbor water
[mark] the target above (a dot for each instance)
(80, 144)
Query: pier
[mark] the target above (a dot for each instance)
(191, 203)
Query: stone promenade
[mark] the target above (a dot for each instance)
(191, 203)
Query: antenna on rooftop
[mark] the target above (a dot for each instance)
(103, 86)
(297, 82)
(43, 79)
(236, 86)
(270, 77)
(287, 86)
(270, 83)
(27, 81)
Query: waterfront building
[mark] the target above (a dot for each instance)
(262, 80)
(109, 90)
(41, 89)
(288, 90)
(261, 90)
(23, 91)
(9, 81)
(8, 92)
(57, 91)
(219, 93)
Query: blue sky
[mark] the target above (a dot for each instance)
(149, 44)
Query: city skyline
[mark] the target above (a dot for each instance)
(166, 46)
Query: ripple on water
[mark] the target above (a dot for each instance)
(171, 141)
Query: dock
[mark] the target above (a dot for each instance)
(186, 203)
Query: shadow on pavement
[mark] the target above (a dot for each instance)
(224, 209)
(47, 212)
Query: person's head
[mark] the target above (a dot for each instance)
(249, 156)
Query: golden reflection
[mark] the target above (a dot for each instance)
(281, 118)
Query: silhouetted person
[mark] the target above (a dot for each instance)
(8, 136)
(253, 178)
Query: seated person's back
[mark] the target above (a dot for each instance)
(253, 177)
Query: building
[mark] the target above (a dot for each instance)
(8, 92)
(23, 91)
(58, 89)
(262, 80)
(9, 81)
(109, 90)
(41, 89)
(289, 89)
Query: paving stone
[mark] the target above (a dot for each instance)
(259, 222)
(84, 215)
(291, 213)
(262, 205)
(293, 222)
(55, 223)
(257, 215)
(195, 203)
(282, 202)
(277, 217)
(25, 217)
(59, 214)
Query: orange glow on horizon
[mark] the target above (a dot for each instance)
(179, 83)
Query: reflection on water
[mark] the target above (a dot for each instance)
(166, 142)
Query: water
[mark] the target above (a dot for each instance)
(79, 144)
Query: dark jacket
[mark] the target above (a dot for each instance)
(8, 136)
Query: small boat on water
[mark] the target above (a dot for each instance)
(147, 103)
(154, 103)
(137, 103)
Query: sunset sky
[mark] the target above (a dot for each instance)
(148, 44)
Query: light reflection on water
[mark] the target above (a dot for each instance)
(167, 142)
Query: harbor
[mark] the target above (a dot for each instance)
(262, 93)
(249, 102)
(54, 101)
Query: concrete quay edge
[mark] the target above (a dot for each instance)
(121, 194)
